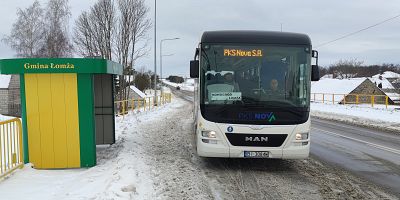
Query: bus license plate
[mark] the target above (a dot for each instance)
(256, 154)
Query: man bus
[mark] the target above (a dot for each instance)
(252, 97)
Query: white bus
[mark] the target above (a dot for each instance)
(252, 94)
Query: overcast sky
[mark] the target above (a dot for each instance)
(321, 20)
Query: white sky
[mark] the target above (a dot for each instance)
(321, 20)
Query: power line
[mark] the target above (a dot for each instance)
(353, 33)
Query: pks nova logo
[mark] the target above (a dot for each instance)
(270, 116)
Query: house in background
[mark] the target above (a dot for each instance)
(10, 97)
(389, 82)
(346, 91)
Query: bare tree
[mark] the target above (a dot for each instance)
(119, 30)
(27, 34)
(346, 68)
(94, 30)
(132, 39)
(84, 37)
(103, 16)
(57, 42)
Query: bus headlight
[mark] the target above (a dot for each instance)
(301, 136)
(209, 134)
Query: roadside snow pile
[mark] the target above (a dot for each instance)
(187, 85)
(364, 115)
(122, 170)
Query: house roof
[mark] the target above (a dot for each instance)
(336, 86)
(393, 96)
(385, 83)
(4, 81)
(138, 92)
(387, 74)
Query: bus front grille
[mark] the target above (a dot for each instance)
(256, 140)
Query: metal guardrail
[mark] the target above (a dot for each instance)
(123, 107)
(11, 152)
(350, 99)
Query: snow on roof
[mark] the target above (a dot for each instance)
(393, 96)
(385, 83)
(138, 92)
(387, 74)
(4, 81)
(335, 86)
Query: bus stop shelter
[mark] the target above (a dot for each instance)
(67, 108)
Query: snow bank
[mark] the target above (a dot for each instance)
(365, 115)
(4, 81)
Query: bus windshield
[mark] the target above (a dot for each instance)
(255, 75)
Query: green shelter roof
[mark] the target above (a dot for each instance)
(60, 65)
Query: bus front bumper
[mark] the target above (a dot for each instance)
(220, 150)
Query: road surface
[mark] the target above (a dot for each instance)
(372, 155)
(369, 153)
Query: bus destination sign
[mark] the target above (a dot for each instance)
(243, 53)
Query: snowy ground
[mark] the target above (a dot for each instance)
(365, 115)
(155, 158)
(120, 174)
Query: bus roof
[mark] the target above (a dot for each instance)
(255, 37)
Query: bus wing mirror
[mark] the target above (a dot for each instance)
(314, 73)
(194, 69)
(315, 55)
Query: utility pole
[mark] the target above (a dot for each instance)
(155, 53)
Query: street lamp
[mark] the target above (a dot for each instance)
(161, 55)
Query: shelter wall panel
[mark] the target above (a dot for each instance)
(46, 118)
(72, 114)
(59, 120)
(33, 119)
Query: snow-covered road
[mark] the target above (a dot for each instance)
(154, 158)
